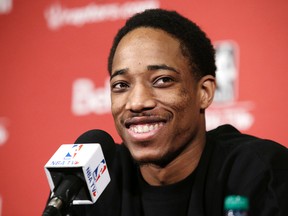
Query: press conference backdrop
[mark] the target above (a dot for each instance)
(54, 81)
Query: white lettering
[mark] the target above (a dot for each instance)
(238, 115)
(87, 99)
(57, 16)
(5, 7)
(3, 134)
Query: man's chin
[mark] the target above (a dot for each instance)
(151, 163)
(159, 162)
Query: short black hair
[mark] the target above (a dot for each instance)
(194, 42)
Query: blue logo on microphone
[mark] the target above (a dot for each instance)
(100, 170)
(73, 152)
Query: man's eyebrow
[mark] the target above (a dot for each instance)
(161, 67)
(149, 68)
(118, 72)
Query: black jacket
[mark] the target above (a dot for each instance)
(231, 163)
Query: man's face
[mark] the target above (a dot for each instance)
(155, 99)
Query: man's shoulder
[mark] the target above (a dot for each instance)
(233, 142)
(250, 166)
(230, 136)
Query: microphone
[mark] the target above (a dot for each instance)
(78, 173)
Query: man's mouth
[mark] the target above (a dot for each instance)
(145, 128)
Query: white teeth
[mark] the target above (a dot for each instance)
(144, 128)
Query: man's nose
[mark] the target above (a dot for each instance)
(141, 98)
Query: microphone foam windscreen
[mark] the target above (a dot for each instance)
(103, 138)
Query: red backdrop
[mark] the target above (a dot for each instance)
(53, 77)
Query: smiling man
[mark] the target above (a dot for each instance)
(162, 71)
(158, 106)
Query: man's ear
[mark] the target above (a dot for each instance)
(207, 90)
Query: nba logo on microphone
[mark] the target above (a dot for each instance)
(73, 152)
(99, 171)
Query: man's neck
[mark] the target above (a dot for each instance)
(176, 170)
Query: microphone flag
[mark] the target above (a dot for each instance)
(83, 160)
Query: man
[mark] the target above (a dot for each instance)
(162, 71)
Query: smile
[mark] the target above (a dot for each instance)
(145, 128)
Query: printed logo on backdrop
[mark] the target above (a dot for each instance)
(226, 108)
(6, 6)
(57, 15)
(3, 131)
(90, 99)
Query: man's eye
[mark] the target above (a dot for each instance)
(119, 86)
(163, 81)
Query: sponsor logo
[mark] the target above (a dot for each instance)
(94, 177)
(102, 167)
(226, 109)
(87, 99)
(6, 6)
(227, 55)
(64, 163)
(69, 158)
(4, 135)
(73, 152)
(58, 16)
